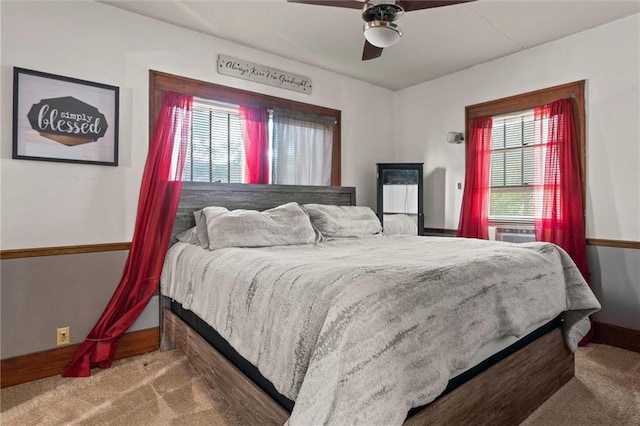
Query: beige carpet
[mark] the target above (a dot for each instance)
(153, 389)
(160, 389)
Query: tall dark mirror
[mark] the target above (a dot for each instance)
(400, 198)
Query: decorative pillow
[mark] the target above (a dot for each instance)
(283, 225)
(343, 221)
(201, 222)
(189, 236)
(201, 228)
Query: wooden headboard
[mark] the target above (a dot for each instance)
(196, 195)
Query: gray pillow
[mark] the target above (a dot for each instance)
(283, 225)
(343, 221)
(189, 236)
(201, 222)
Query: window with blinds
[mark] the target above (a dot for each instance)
(216, 150)
(512, 167)
(302, 147)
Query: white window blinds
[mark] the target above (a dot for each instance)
(300, 154)
(512, 167)
(216, 150)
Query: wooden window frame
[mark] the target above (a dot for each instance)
(530, 100)
(160, 82)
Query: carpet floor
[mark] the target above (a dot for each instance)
(159, 388)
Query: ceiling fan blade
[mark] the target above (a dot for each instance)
(409, 5)
(370, 51)
(351, 4)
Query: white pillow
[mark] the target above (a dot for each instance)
(283, 225)
(343, 221)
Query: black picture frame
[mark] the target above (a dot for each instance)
(64, 119)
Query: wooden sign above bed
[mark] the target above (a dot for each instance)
(262, 74)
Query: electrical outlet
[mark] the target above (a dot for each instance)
(63, 336)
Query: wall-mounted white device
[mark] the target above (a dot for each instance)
(455, 137)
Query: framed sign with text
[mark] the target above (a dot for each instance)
(261, 74)
(57, 118)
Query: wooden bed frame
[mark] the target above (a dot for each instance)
(505, 393)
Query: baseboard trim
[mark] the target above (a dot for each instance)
(450, 232)
(26, 368)
(613, 335)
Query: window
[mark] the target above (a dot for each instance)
(299, 146)
(512, 167)
(215, 152)
(505, 155)
(216, 112)
(301, 139)
(513, 155)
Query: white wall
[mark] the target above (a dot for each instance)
(55, 204)
(606, 56)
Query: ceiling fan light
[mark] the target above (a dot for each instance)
(382, 33)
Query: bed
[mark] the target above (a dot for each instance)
(336, 379)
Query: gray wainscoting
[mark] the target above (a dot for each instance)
(40, 294)
(615, 279)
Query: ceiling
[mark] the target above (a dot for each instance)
(435, 42)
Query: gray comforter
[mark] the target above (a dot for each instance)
(360, 331)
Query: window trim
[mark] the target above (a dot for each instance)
(159, 82)
(529, 100)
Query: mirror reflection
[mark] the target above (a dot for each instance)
(400, 193)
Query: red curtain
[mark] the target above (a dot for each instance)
(256, 144)
(157, 205)
(560, 218)
(474, 214)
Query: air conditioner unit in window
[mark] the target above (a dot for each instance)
(515, 235)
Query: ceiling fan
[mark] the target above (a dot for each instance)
(380, 31)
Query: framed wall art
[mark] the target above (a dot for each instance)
(57, 118)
